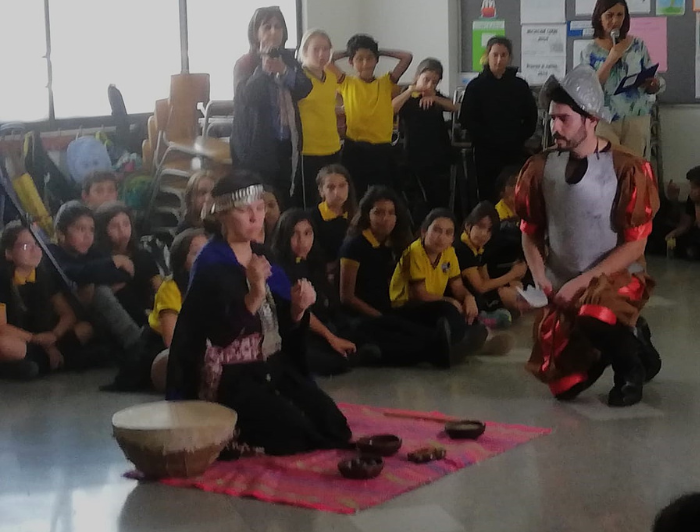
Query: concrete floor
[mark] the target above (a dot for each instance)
(600, 470)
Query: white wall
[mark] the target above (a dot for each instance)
(420, 27)
(341, 19)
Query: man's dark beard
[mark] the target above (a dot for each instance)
(575, 142)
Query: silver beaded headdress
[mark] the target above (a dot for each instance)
(239, 198)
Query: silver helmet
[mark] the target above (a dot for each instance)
(583, 86)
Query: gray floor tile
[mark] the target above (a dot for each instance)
(420, 518)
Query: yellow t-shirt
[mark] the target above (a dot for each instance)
(369, 114)
(415, 265)
(168, 298)
(319, 124)
(504, 212)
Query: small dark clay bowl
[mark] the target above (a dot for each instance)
(465, 429)
(361, 467)
(379, 445)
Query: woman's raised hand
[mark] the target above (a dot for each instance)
(617, 51)
(258, 271)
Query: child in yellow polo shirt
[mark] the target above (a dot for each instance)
(426, 270)
(367, 152)
(504, 249)
(506, 185)
(492, 294)
(319, 121)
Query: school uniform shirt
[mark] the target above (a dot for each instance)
(168, 299)
(468, 255)
(427, 137)
(504, 212)
(415, 266)
(318, 119)
(369, 114)
(137, 296)
(375, 263)
(27, 300)
(330, 230)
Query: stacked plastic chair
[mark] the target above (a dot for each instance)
(175, 149)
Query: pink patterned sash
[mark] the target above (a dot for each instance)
(240, 351)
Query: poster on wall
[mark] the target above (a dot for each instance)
(696, 5)
(488, 9)
(640, 6)
(586, 7)
(542, 11)
(580, 28)
(482, 31)
(536, 69)
(543, 51)
(653, 31)
(669, 8)
(544, 39)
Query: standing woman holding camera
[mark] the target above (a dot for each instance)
(268, 83)
(615, 54)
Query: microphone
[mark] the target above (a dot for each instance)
(615, 35)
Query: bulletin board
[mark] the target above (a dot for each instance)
(680, 76)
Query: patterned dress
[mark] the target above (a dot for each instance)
(631, 103)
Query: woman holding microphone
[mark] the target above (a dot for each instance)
(615, 54)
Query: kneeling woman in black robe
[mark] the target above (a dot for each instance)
(239, 339)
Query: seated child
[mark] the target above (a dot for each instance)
(149, 371)
(39, 331)
(682, 515)
(492, 294)
(506, 186)
(296, 248)
(421, 111)
(197, 198)
(685, 239)
(116, 237)
(377, 237)
(97, 275)
(272, 215)
(420, 281)
(331, 217)
(367, 152)
(505, 247)
(99, 187)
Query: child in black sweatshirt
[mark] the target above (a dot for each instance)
(97, 275)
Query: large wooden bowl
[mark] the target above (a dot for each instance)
(174, 439)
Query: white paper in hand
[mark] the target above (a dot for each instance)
(535, 297)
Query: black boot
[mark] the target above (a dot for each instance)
(650, 357)
(629, 370)
(620, 346)
(628, 388)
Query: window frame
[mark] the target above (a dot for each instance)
(54, 124)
